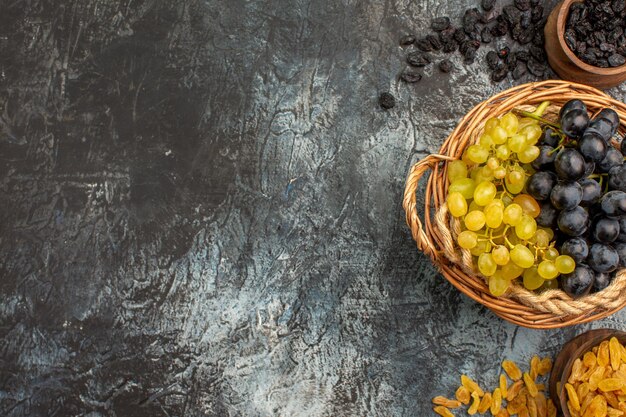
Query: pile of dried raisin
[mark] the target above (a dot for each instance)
(595, 32)
(523, 20)
(524, 397)
(597, 382)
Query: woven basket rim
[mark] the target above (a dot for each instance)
(433, 238)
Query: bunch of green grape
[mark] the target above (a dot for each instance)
(486, 193)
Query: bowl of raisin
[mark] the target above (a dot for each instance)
(589, 374)
(585, 41)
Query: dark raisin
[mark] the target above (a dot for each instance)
(447, 35)
(500, 29)
(410, 76)
(525, 19)
(386, 100)
(440, 23)
(434, 41)
(522, 5)
(449, 46)
(424, 44)
(538, 38)
(538, 53)
(418, 59)
(511, 15)
(616, 60)
(459, 36)
(445, 65)
(537, 13)
(487, 4)
(485, 35)
(618, 6)
(503, 52)
(526, 36)
(469, 56)
(510, 61)
(407, 40)
(519, 71)
(492, 60)
(499, 73)
(573, 17)
(535, 67)
(522, 55)
(570, 39)
(607, 47)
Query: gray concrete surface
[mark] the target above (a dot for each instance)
(200, 212)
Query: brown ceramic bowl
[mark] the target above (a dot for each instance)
(565, 63)
(572, 350)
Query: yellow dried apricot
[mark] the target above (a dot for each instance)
(614, 353)
(439, 400)
(530, 385)
(511, 370)
(503, 386)
(463, 395)
(471, 385)
(443, 411)
(576, 372)
(475, 403)
(551, 409)
(545, 366)
(514, 390)
(611, 384)
(572, 396)
(496, 401)
(485, 403)
(534, 368)
(603, 353)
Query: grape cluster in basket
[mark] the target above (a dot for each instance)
(542, 200)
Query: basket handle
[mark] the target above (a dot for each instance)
(423, 240)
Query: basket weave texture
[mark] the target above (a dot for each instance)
(435, 235)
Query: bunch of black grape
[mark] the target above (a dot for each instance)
(580, 180)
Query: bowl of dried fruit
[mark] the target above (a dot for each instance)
(524, 210)
(585, 41)
(589, 375)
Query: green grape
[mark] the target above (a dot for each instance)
(457, 204)
(491, 123)
(474, 220)
(515, 180)
(507, 200)
(550, 284)
(525, 121)
(493, 163)
(481, 174)
(565, 264)
(500, 255)
(493, 215)
(486, 265)
(551, 254)
(498, 284)
(526, 227)
(467, 239)
(484, 193)
(503, 152)
(547, 270)
(517, 143)
(550, 233)
(528, 154)
(499, 172)
(473, 206)
(477, 154)
(542, 238)
(498, 134)
(457, 170)
(509, 122)
(511, 271)
(512, 214)
(498, 202)
(522, 256)
(532, 133)
(532, 280)
(486, 172)
(485, 141)
(465, 186)
(482, 247)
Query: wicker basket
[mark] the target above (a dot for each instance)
(434, 237)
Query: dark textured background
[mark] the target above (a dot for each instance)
(200, 212)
